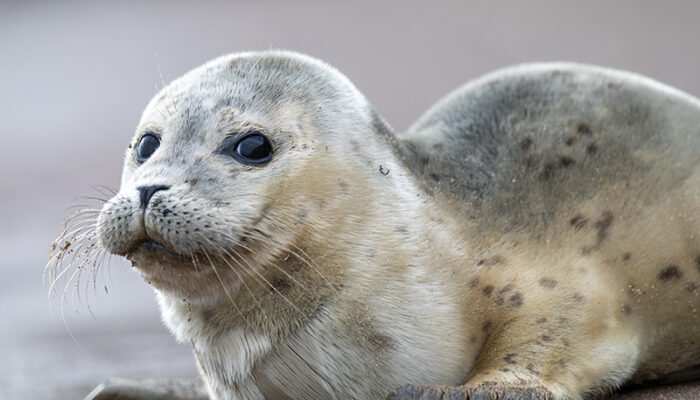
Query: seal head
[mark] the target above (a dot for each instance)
(212, 173)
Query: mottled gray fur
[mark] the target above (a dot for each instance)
(521, 144)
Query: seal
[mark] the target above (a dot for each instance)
(536, 233)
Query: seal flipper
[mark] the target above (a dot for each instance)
(496, 392)
(150, 389)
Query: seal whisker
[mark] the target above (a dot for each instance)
(80, 206)
(100, 187)
(160, 74)
(243, 281)
(93, 268)
(78, 251)
(85, 261)
(304, 258)
(67, 284)
(278, 249)
(78, 238)
(83, 217)
(77, 228)
(84, 220)
(82, 211)
(244, 259)
(223, 286)
(194, 259)
(87, 197)
(158, 108)
(270, 285)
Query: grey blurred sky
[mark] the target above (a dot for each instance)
(76, 75)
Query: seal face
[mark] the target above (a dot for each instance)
(537, 231)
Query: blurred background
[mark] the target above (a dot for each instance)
(76, 75)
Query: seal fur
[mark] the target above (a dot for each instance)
(536, 230)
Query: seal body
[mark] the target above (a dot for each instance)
(582, 184)
(537, 230)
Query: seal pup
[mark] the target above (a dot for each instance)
(534, 234)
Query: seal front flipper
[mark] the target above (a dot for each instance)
(149, 389)
(537, 357)
(467, 392)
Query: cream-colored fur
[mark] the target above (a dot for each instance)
(535, 229)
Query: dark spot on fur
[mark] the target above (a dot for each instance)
(697, 262)
(584, 129)
(547, 283)
(506, 288)
(565, 343)
(209, 316)
(280, 284)
(504, 370)
(510, 358)
(166, 212)
(627, 256)
(486, 326)
(602, 226)
(547, 171)
(669, 273)
(604, 223)
(526, 143)
(577, 298)
(565, 161)
(385, 171)
(487, 290)
(434, 177)
(532, 369)
(516, 300)
(474, 282)
(691, 287)
(541, 320)
(381, 342)
(487, 262)
(591, 148)
(578, 222)
(626, 309)
(546, 338)
(570, 140)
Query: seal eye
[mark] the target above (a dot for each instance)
(146, 146)
(253, 148)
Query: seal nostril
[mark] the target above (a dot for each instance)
(146, 192)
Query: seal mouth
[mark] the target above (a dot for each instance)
(150, 246)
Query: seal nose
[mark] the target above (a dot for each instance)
(146, 192)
